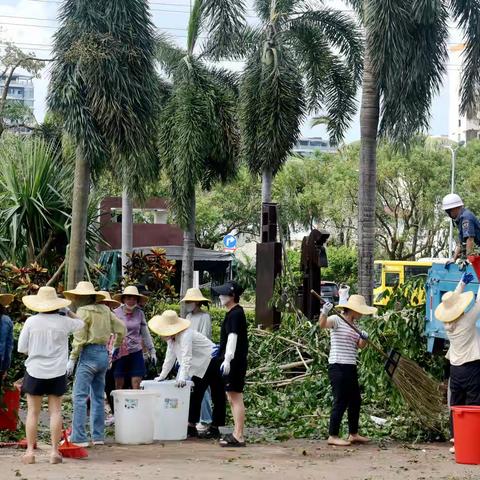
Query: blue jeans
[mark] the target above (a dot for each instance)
(89, 380)
(206, 410)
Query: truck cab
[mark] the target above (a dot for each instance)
(440, 280)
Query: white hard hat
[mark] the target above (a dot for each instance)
(452, 200)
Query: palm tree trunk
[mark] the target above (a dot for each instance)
(127, 228)
(188, 253)
(78, 233)
(369, 118)
(267, 179)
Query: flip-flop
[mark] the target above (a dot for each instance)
(230, 441)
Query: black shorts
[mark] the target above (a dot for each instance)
(44, 386)
(235, 380)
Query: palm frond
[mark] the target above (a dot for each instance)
(467, 14)
(195, 25)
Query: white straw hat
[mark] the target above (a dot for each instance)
(84, 289)
(132, 291)
(194, 295)
(108, 300)
(453, 305)
(46, 300)
(6, 299)
(168, 324)
(358, 304)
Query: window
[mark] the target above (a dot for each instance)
(378, 275)
(411, 271)
(392, 279)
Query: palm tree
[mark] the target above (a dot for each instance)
(105, 89)
(405, 54)
(198, 130)
(299, 60)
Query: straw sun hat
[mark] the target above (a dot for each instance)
(83, 289)
(108, 300)
(453, 305)
(194, 295)
(133, 292)
(357, 304)
(46, 300)
(6, 299)
(168, 324)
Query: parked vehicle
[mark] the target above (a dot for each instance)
(329, 291)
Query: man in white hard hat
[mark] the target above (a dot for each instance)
(467, 223)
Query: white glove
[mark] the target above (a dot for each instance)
(180, 382)
(70, 367)
(153, 357)
(327, 306)
(225, 367)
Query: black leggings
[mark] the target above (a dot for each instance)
(346, 395)
(212, 379)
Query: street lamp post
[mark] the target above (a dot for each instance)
(453, 151)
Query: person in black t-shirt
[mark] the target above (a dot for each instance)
(233, 352)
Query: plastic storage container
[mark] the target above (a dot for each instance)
(466, 427)
(170, 409)
(134, 416)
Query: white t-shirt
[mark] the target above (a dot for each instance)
(44, 338)
(201, 322)
(343, 342)
(464, 338)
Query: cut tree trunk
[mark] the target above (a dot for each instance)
(188, 253)
(267, 179)
(369, 118)
(127, 228)
(78, 233)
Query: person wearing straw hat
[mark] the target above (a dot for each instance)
(128, 359)
(195, 354)
(44, 339)
(6, 336)
(201, 322)
(459, 317)
(234, 355)
(342, 368)
(89, 348)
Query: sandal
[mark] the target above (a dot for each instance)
(230, 441)
(28, 459)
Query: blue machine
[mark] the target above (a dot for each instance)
(439, 281)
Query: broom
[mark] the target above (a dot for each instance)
(69, 450)
(420, 391)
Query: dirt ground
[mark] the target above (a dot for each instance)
(196, 459)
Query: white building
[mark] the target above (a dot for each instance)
(20, 90)
(307, 146)
(461, 128)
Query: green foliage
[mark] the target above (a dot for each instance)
(342, 265)
(245, 273)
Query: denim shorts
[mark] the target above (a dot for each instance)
(131, 365)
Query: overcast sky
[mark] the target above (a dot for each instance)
(31, 24)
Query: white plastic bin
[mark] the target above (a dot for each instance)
(170, 409)
(134, 416)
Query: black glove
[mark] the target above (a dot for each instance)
(448, 263)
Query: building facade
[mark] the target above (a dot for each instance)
(20, 90)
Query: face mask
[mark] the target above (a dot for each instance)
(189, 307)
(224, 299)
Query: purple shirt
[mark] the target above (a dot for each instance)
(137, 331)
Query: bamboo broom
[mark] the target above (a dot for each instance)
(418, 389)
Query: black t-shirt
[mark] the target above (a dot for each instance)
(235, 322)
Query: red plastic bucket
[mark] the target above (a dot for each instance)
(475, 261)
(9, 406)
(466, 427)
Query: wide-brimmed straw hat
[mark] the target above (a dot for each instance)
(46, 300)
(6, 299)
(168, 324)
(358, 304)
(83, 289)
(453, 305)
(194, 295)
(132, 291)
(108, 300)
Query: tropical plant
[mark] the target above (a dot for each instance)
(299, 60)
(105, 89)
(198, 130)
(411, 38)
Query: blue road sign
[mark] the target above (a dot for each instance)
(230, 242)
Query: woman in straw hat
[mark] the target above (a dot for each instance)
(342, 368)
(464, 351)
(202, 323)
(6, 336)
(128, 359)
(44, 338)
(195, 354)
(90, 349)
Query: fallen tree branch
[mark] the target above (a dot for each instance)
(286, 366)
(57, 274)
